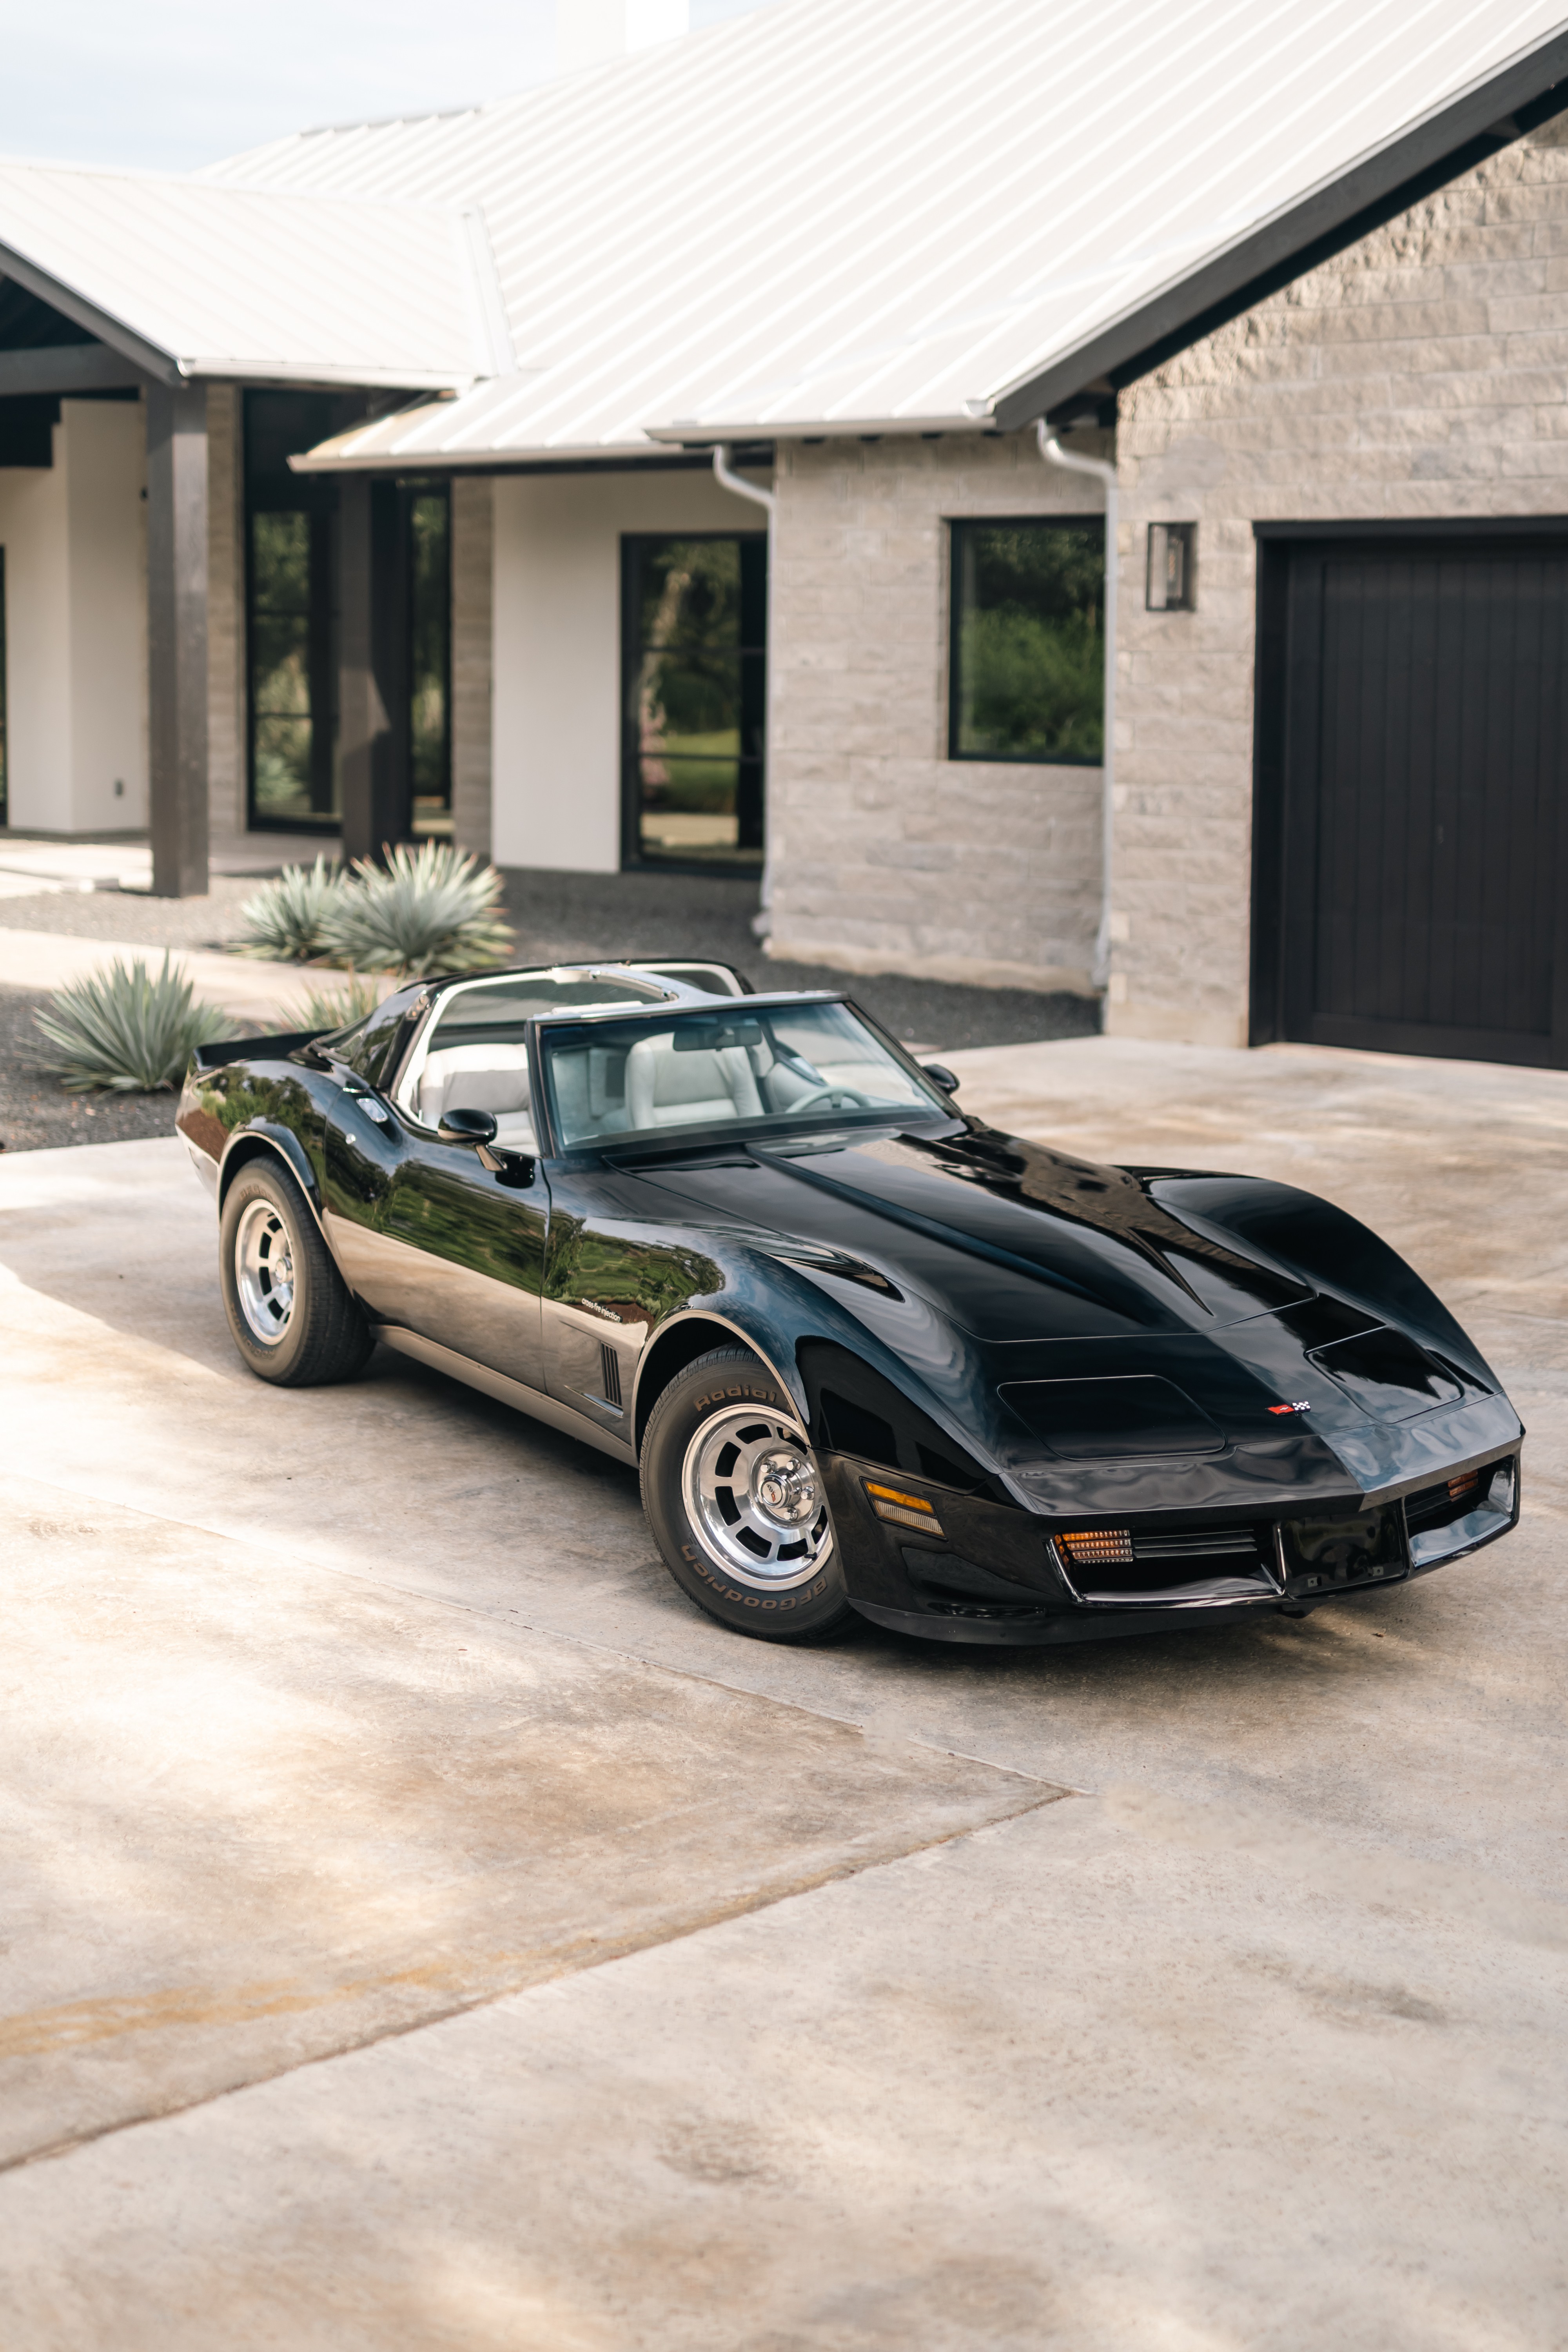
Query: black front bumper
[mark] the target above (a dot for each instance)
(996, 1574)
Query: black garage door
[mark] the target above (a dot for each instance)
(1412, 817)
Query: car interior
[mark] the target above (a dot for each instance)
(619, 1079)
(697, 1071)
(474, 1056)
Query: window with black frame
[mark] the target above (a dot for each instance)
(291, 622)
(427, 552)
(1028, 661)
(694, 700)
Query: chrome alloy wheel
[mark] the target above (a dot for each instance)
(754, 1500)
(264, 1272)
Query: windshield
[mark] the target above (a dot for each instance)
(704, 1071)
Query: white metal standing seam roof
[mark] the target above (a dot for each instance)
(842, 215)
(195, 278)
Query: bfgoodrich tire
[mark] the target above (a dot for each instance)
(289, 1310)
(736, 1505)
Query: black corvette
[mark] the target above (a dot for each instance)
(871, 1355)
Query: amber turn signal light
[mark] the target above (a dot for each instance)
(901, 1510)
(1464, 1485)
(1098, 1548)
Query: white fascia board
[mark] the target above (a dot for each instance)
(236, 369)
(337, 457)
(832, 428)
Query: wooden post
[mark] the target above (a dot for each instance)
(375, 808)
(177, 637)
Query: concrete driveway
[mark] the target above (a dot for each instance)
(423, 1929)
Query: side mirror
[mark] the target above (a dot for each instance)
(466, 1127)
(941, 1076)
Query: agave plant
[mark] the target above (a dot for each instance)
(124, 1029)
(429, 911)
(283, 922)
(333, 1008)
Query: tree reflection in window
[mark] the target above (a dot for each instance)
(1028, 646)
(695, 620)
(291, 764)
(429, 557)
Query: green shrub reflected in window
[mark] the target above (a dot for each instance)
(1029, 642)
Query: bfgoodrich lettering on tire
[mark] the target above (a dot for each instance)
(735, 1504)
(289, 1310)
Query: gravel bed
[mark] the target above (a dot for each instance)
(560, 917)
(133, 917)
(36, 1113)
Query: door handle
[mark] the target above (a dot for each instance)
(512, 1168)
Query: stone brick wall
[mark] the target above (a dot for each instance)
(888, 857)
(473, 633)
(225, 615)
(1419, 374)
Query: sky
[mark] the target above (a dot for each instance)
(166, 85)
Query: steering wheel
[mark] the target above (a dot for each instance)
(842, 1098)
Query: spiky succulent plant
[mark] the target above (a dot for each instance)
(429, 910)
(127, 1029)
(328, 1007)
(284, 922)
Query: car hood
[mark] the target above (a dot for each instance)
(1065, 1272)
(1010, 1239)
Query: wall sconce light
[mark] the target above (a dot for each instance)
(1172, 567)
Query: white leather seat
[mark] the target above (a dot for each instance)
(665, 1089)
(477, 1078)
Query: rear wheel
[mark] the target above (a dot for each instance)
(289, 1310)
(736, 1504)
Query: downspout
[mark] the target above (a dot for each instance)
(1053, 453)
(724, 474)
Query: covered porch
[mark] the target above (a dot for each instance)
(199, 650)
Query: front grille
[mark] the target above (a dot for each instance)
(1198, 1543)
(1173, 1565)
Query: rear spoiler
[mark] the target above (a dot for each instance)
(252, 1049)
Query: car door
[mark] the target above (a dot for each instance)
(456, 1252)
(461, 1252)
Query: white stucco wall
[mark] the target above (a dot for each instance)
(33, 532)
(557, 686)
(76, 616)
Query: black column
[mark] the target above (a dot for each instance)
(177, 637)
(371, 754)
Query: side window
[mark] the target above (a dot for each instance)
(1027, 669)
(371, 1050)
(474, 1056)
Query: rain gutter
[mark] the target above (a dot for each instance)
(725, 474)
(1053, 453)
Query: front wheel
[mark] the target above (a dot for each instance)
(736, 1504)
(289, 1310)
